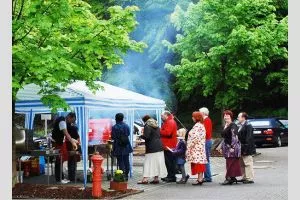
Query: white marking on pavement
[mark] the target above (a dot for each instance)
(261, 167)
(264, 161)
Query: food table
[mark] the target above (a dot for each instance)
(47, 153)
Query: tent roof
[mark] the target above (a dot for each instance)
(78, 94)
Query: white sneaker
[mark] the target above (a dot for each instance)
(65, 181)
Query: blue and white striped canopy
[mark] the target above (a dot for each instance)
(82, 100)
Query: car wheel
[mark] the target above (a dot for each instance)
(278, 142)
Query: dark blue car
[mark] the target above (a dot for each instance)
(269, 131)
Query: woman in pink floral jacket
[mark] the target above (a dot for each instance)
(196, 147)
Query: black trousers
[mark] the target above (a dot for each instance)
(170, 164)
(72, 164)
(123, 164)
(57, 169)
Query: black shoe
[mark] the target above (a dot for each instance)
(169, 180)
(182, 181)
(187, 178)
(234, 180)
(198, 183)
(164, 179)
(207, 181)
(248, 182)
(154, 182)
(227, 182)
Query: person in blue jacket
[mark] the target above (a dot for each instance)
(179, 153)
(121, 144)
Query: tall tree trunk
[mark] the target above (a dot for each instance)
(14, 157)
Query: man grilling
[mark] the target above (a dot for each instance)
(59, 132)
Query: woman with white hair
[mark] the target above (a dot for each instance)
(208, 143)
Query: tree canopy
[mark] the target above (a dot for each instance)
(59, 41)
(224, 44)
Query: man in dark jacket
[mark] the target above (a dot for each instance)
(246, 138)
(168, 134)
(59, 132)
(121, 145)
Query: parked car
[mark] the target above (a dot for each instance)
(284, 122)
(269, 131)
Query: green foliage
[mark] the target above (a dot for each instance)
(58, 42)
(268, 112)
(280, 79)
(223, 44)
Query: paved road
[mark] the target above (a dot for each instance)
(271, 182)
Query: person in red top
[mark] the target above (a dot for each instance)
(208, 127)
(168, 135)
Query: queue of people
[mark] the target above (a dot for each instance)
(168, 149)
(194, 147)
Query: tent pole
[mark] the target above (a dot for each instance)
(31, 119)
(131, 140)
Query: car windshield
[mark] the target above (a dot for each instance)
(260, 123)
(284, 122)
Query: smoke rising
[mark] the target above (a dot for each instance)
(144, 72)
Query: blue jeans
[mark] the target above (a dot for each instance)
(207, 173)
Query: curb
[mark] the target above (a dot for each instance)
(128, 194)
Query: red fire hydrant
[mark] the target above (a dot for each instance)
(97, 160)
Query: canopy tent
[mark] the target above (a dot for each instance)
(82, 101)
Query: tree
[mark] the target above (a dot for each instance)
(58, 42)
(223, 44)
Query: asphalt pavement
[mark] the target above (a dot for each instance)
(271, 181)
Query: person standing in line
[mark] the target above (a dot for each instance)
(121, 145)
(154, 164)
(195, 153)
(59, 132)
(231, 149)
(179, 153)
(246, 137)
(208, 143)
(168, 135)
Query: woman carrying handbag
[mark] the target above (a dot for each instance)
(231, 149)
